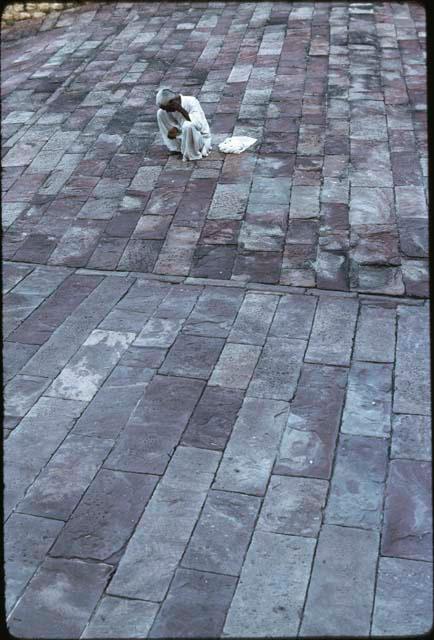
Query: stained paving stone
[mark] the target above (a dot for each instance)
(252, 447)
(411, 437)
(254, 318)
(371, 206)
(22, 392)
(293, 506)
(281, 565)
(407, 530)
(70, 470)
(235, 366)
(308, 442)
(357, 486)
(60, 598)
(341, 591)
(195, 606)
(27, 541)
(394, 612)
(105, 518)
(156, 425)
(213, 261)
(158, 332)
(165, 527)
(377, 279)
(375, 335)
(369, 400)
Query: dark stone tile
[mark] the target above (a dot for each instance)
(258, 266)
(140, 255)
(211, 261)
(192, 356)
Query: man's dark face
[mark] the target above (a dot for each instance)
(173, 104)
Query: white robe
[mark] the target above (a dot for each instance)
(194, 141)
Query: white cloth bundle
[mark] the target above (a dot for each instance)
(236, 144)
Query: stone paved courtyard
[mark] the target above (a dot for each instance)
(217, 404)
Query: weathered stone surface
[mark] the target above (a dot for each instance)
(407, 528)
(117, 617)
(15, 356)
(395, 613)
(235, 366)
(412, 376)
(375, 244)
(177, 252)
(375, 335)
(148, 357)
(13, 273)
(233, 516)
(308, 442)
(250, 452)
(153, 553)
(253, 319)
(195, 606)
(411, 437)
(304, 202)
(371, 206)
(140, 255)
(144, 297)
(293, 506)
(213, 261)
(410, 202)
(22, 392)
(60, 598)
(332, 333)
(281, 565)
(158, 332)
(17, 307)
(214, 312)
(377, 279)
(413, 237)
(192, 356)
(416, 277)
(341, 592)
(369, 400)
(294, 317)
(229, 202)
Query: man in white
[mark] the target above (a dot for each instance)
(183, 125)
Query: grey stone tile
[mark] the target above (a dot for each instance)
(250, 452)
(215, 312)
(411, 437)
(341, 592)
(27, 540)
(411, 202)
(140, 255)
(15, 356)
(178, 303)
(158, 332)
(153, 553)
(76, 245)
(106, 516)
(22, 392)
(293, 506)
(195, 606)
(281, 566)
(233, 516)
(193, 356)
(177, 252)
(16, 308)
(253, 319)
(304, 202)
(156, 425)
(229, 202)
(294, 317)
(69, 471)
(235, 366)
(375, 336)
(151, 357)
(144, 297)
(396, 613)
(270, 190)
(412, 372)
(357, 488)
(278, 369)
(12, 273)
(331, 339)
(211, 423)
(121, 618)
(123, 320)
(369, 399)
(90, 366)
(42, 281)
(407, 527)
(308, 443)
(371, 206)
(59, 599)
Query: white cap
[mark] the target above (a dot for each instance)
(164, 96)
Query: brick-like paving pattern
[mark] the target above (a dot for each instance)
(207, 432)
(333, 195)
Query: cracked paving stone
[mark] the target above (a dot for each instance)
(215, 312)
(257, 266)
(118, 617)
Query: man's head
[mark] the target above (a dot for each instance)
(168, 100)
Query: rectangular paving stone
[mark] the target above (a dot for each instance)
(293, 506)
(59, 587)
(145, 179)
(375, 335)
(369, 400)
(407, 526)
(156, 425)
(410, 202)
(177, 252)
(106, 516)
(276, 374)
(411, 437)
(281, 566)
(90, 366)
(42, 281)
(115, 617)
(294, 317)
(76, 245)
(155, 549)
(253, 319)
(412, 376)
(333, 330)
(233, 516)
(144, 297)
(308, 443)
(235, 366)
(15, 356)
(252, 447)
(270, 190)
(371, 206)
(229, 202)
(304, 202)
(158, 332)
(140, 255)
(13, 273)
(65, 341)
(17, 307)
(357, 487)
(195, 606)
(211, 423)
(22, 392)
(149, 357)
(27, 540)
(193, 356)
(395, 613)
(109, 411)
(179, 302)
(123, 320)
(215, 312)
(70, 470)
(258, 266)
(341, 591)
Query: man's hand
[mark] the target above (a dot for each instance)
(173, 133)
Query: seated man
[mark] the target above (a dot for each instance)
(183, 125)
